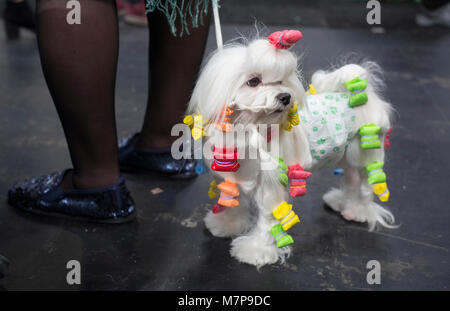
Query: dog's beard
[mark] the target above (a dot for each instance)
(246, 117)
(261, 99)
(260, 107)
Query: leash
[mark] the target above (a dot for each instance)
(217, 26)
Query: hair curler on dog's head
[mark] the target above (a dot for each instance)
(284, 39)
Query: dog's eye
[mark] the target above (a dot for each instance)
(253, 82)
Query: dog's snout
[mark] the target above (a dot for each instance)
(284, 98)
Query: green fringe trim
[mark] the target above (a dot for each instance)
(181, 10)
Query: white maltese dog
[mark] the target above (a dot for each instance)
(249, 97)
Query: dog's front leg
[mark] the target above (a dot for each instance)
(229, 223)
(232, 221)
(258, 247)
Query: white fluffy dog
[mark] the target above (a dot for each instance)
(260, 82)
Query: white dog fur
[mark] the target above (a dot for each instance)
(223, 83)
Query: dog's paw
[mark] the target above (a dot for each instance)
(226, 224)
(355, 214)
(255, 250)
(351, 210)
(334, 199)
(371, 213)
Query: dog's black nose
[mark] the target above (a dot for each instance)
(284, 98)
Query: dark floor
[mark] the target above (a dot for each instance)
(168, 248)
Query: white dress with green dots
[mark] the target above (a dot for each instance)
(330, 125)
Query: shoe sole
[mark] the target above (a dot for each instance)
(143, 171)
(40, 213)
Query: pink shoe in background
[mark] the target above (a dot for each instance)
(136, 14)
(122, 7)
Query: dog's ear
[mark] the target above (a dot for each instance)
(217, 83)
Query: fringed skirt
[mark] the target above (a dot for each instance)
(181, 10)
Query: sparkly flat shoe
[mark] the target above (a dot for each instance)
(135, 159)
(44, 196)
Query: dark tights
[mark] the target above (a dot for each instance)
(79, 64)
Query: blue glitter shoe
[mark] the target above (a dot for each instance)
(133, 159)
(44, 196)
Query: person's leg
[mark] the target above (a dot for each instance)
(174, 64)
(79, 63)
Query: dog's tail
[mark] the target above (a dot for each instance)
(376, 111)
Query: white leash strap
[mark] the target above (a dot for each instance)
(217, 25)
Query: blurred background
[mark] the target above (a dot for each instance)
(167, 248)
(319, 13)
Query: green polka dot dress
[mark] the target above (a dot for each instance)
(330, 125)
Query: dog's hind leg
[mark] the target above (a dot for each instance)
(337, 199)
(354, 200)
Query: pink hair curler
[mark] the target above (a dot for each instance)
(284, 39)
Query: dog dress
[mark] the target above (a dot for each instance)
(330, 125)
